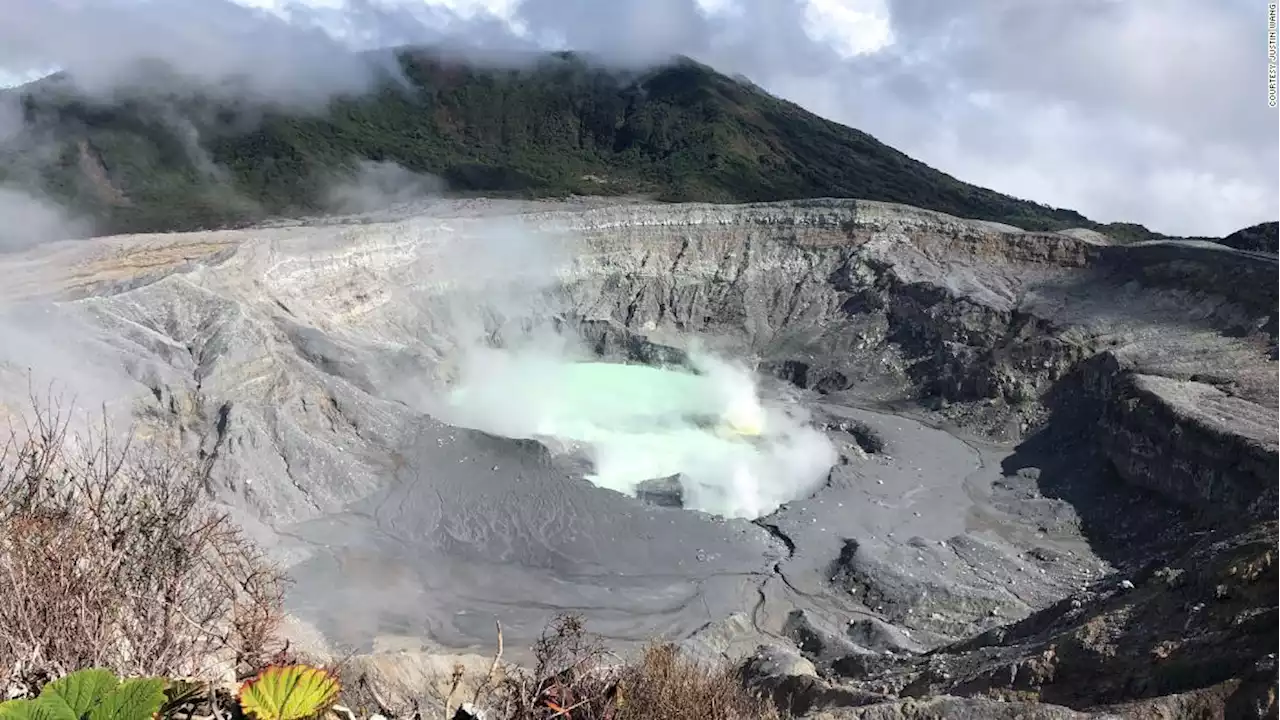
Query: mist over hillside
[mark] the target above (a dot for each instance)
(165, 151)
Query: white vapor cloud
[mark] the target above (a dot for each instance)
(732, 454)
(1150, 111)
(290, 59)
(511, 363)
(27, 219)
(380, 186)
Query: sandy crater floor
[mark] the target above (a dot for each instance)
(478, 528)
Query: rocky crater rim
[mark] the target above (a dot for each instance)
(818, 259)
(776, 277)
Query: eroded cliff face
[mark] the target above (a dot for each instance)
(288, 357)
(1188, 441)
(839, 294)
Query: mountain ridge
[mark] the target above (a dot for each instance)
(169, 156)
(1262, 237)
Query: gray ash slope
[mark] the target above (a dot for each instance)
(1070, 499)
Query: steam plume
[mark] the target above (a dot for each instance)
(514, 366)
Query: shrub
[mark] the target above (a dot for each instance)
(111, 557)
(570, 676)
(663, 684)
(575, 678)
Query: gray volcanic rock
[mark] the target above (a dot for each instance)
(955, 708)
(1024, 421)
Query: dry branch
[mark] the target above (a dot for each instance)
(493, 667)
(114, 558)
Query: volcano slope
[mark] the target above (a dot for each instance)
(1053, 491)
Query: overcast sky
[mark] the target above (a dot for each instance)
(1152, 111)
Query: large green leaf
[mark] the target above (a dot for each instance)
(80, 690)
(135, 699)
(37, 709)
(292, 692)
(95, 694)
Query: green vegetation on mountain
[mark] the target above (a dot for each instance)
(682, 132)
(1263, 237)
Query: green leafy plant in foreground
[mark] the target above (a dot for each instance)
(91, 694)
(290, 692)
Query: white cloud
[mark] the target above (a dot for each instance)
(101, 40)
(1147, 111)
(718, 7)
(852, 27)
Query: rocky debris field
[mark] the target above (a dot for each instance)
(1056, 487)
